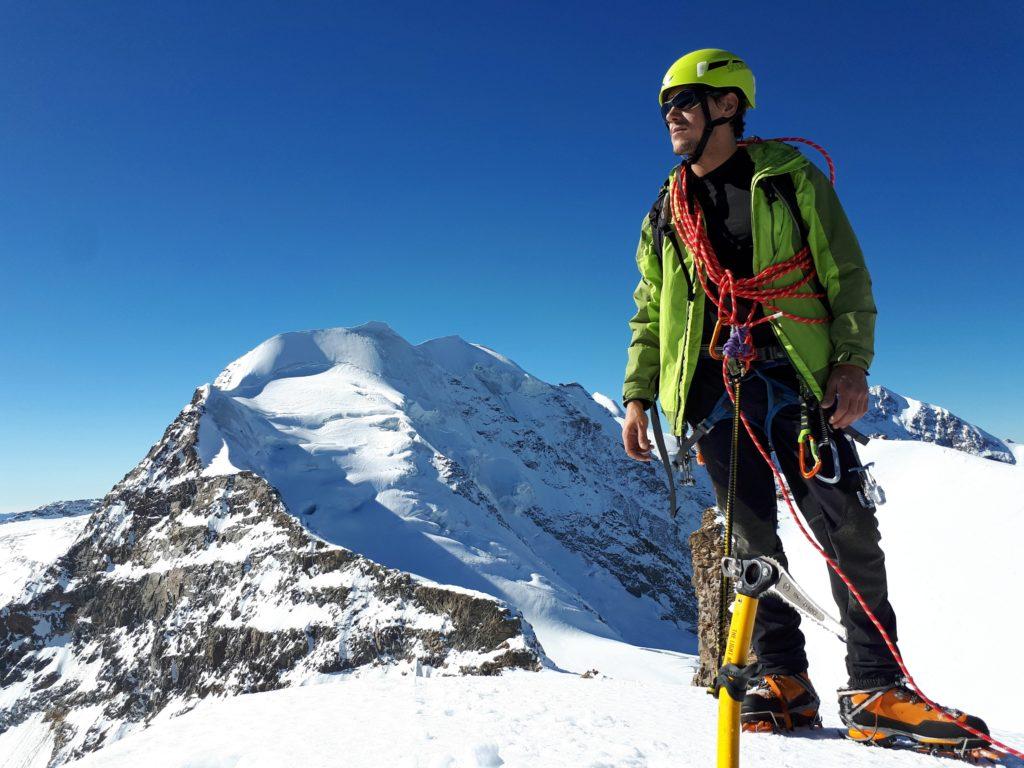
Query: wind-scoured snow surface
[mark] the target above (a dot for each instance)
(520, 720)
(895, 417)
(448, 460)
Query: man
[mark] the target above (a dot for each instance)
(738, 210)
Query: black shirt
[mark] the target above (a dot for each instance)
(724, 197)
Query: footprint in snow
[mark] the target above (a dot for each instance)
(487, 756)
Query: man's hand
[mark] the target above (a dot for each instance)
(850, 383)
(634, 431)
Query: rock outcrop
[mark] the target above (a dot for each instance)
(706, 546)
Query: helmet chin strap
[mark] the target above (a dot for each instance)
(709, 128)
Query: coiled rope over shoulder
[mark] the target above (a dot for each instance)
(688, 219)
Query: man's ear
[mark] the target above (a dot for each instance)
(727, 104)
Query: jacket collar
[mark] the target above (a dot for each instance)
(774, 157)
(770, 159)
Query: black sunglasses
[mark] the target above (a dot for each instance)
(685, 99)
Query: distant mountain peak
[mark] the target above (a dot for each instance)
(896, 417)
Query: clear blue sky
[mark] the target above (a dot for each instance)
(179, 181)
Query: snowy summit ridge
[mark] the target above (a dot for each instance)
(448, 460)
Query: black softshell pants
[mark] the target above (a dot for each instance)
(846, 530)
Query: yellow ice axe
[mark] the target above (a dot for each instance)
(752, 579)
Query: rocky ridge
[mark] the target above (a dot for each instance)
(895, 417)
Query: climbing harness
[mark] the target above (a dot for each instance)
(779, 396)
(738, 353)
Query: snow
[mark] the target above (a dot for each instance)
(1018, 451)
(27, 746)
(606, 402)
(945, 526)
(29, 544)
(518, 720)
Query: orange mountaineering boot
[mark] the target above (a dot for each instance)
(895, 716)
(779, 703)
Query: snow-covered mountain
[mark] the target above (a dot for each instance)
(448, 460)
(895, 417)
(58, 509)
(272, 534)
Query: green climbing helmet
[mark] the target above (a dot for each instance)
(712, 67)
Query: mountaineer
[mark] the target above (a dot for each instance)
(747, 260)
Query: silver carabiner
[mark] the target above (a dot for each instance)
(838, 470)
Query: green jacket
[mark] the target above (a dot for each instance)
(668, 325)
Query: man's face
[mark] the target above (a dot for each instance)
(684, 125)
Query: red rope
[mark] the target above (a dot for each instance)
(690, 228)
(808, 142)
(729, 289)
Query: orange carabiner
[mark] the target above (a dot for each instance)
(713, 344)
(805, 438)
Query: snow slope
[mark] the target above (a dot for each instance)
(30, 541)
(447, 460)
(951, 531)
(1018, 451)
(519, 720)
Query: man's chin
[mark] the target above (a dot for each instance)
(683, 147)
